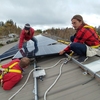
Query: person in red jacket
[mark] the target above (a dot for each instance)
(85, 36)
(11, 72)
(27, 34)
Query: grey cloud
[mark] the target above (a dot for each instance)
(46, 12)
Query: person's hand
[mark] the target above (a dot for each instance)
(25, 40)
(61, 52)
(20, 49)
(22, 52)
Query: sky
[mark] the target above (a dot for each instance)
(44, 14)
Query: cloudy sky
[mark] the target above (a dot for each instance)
(44, 14)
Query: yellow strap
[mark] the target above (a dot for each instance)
(95, 46)
(0, 66)
(14, 70)
(71, 53)
(62, 41)
(1, 76)
(91, 27)
(88, 26)
(10, 70)
(11, 66)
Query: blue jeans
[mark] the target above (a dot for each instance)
(78, 48)
(72, 38)
(35, 44)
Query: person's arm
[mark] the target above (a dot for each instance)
(11, 83)
(32, 31)
(21, 40)
(67, 49)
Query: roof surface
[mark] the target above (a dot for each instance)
(73, 84)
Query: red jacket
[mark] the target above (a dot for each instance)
(85, 35)
(24, 36)
(10, 79)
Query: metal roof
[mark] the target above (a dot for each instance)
(73, 84)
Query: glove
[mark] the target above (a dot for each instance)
(22, 52)
(20, 48)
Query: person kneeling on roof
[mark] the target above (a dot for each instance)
(11, 73)
(84, 40)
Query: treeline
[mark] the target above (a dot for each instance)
(64, 33)
(9, 27)
(56, 33)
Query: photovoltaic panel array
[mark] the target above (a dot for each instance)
(46, 46)
(44, 50)
(9, 53)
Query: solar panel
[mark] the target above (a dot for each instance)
(11, 52)
(42, 40)
(43, 50)
(46, 46)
